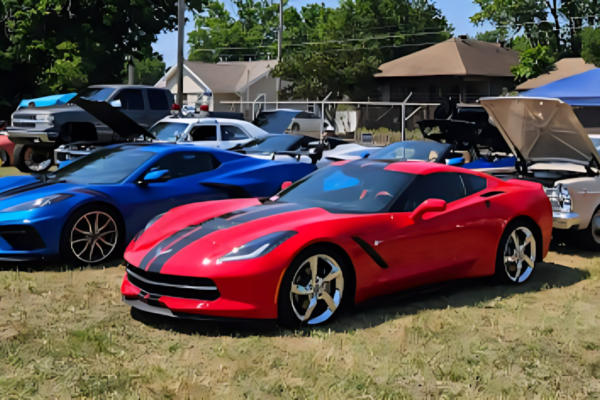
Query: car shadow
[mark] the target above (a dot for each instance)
(455, 294)
(55, 266)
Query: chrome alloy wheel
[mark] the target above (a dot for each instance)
(317, 289)
(94, 237)
(37, 160)
(519, 254)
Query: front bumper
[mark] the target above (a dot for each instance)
(35, 238)
(563, 220)
(23, 136)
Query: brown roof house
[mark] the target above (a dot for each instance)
(562, 69)
(228, 81)
(463, 69)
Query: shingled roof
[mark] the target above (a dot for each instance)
(563, 69)
(455, 57)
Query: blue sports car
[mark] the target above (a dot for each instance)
(89, 209)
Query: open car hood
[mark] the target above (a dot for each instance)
(542, 130)
(465, 134)
(113, 118)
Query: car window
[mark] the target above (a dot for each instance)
(473, 184)
(411, 150)
(94, 94)
(204, 133)
(185, 164)
(229, 132)
(131, 99)
(104, 166)
(358, 187)
(168, 131)
(596, 142)
(303, 115)
(158, 99)
(444, 186)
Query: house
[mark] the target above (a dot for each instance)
(228, 81)
(564, 68)
(460, 68)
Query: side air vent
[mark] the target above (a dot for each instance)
(371, 252)
(491, 194)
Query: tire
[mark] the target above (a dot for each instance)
(515, 267)
(32, 158)
(295, 129)
(83, 242)
(589, 238)
(294, 305)
(4, 158)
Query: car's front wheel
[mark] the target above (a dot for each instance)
(32, 158)
(516, 256)
(589, 238)
(91, 235)
(314, 288)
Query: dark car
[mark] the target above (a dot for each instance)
(38, 131)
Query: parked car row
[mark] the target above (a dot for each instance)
(254, 232)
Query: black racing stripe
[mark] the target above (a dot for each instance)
(179, 240)
(206, 229)
(371, 252)
(163, 243)
(25, 188)
(266, 210)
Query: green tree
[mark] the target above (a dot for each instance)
(534, 62)
(552, 28)
(591, 46)
(147, 71)
(53, 46)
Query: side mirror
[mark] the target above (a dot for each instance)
(457, 162)
(286, 185)
(156, 176)
(365, 154)
(116, 103)
(431, 205)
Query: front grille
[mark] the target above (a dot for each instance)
(22, 238)
(23, 125)
(552, 194)
(173, 286)
(32, 117)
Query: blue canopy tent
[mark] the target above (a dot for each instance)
(577, 90)
(48, 100)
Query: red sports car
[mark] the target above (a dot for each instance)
(344, 234)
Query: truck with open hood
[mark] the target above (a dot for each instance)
(554, 149)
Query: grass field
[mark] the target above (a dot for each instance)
(65, 333)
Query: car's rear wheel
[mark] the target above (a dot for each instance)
(91, 235)
(314, 288)
(32, 158)
(516, 256)
(295, 129)
(4, 158)
(589, 238)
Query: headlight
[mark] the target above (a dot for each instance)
(564, 199)
(44, 117)
(258, 247)
(39, 203)
(153, 220)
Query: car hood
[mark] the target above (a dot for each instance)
(542, 130)
(114, 119)
(55, 109)
(15, 190)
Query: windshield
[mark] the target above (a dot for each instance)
(271, 144)
(167, 131)
(357, 187)
(596, 142)
(104, 166)
(94, 94)
(420, 151)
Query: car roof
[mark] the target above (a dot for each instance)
(120, 86)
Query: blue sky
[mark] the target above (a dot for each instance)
(457, 12)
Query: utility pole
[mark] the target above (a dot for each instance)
(131, 71)
(279, 49)
(180, 39)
